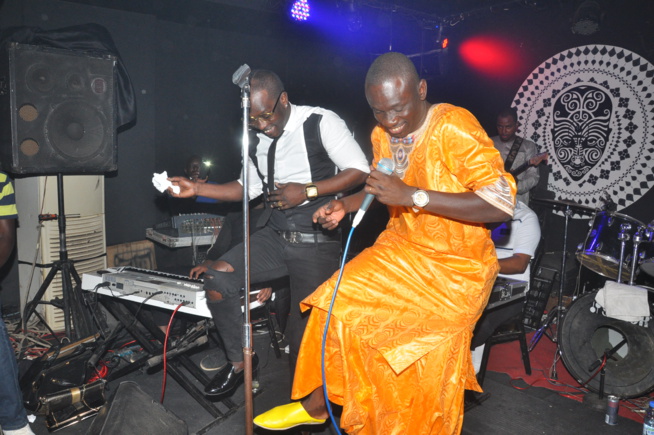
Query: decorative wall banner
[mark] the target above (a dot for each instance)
(592, 109)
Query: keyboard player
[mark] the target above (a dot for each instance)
(231, 234)
(515, 243)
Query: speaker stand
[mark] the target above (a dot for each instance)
(76, 320)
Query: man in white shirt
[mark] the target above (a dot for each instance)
(300, 159)
(515, 243)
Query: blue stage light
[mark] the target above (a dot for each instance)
(300, 10)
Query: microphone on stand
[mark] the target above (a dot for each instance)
(385, 166)
(241, 75)
(241, 78)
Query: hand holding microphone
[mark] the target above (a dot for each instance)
(385, 166)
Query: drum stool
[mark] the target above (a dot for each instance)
(504, 324)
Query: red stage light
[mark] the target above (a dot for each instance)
(491, 55)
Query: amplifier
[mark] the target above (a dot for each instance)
(506, 290)
(539, 295)
(172, 239)
(193, 224)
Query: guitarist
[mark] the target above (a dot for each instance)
(519, 154)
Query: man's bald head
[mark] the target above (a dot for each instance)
(391, 65)
(396, 94)
(262, 79)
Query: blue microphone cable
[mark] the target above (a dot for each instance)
(385, 166)
(324, 336)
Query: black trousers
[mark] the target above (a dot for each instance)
(271, 257)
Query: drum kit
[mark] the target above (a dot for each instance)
(621, 249)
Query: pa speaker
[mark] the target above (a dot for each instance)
(57, 111)
(132, 411)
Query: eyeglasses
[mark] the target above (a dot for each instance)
(266, 116)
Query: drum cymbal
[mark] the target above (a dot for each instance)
(566, 203)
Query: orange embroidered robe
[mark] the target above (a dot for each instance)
(398, 349)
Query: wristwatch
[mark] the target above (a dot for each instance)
(420, 198)
(311, 190)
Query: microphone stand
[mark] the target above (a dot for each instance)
(242, 78)
(559, 308)
(637, 239)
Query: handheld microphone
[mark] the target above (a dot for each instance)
(241, 75)
(385, 166)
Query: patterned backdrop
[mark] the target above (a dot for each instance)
(592, 109)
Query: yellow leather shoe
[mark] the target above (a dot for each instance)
(285, 417)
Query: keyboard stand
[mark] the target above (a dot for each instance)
(125, 314)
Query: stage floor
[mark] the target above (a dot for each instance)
(507, 411)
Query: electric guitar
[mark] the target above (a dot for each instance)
(534, 161)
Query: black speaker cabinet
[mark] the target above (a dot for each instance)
(57, 111)
(132, 411)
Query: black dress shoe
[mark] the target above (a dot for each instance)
(227, 379)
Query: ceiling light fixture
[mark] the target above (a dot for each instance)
(300, 10)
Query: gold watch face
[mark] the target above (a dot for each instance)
(420, 198)
(311, 192)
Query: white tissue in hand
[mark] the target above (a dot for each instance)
(161, 182)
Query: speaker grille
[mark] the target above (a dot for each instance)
(60, 111)
(39, 78)
(76, 130)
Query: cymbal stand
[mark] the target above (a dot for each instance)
(559, 308)
(542, 330)
(638, 238)
(623, 236)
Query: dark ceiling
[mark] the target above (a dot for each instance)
(404, 18)
(429, 9)
(433, 8)
(448, 12)
(422, 9)
(449, 9)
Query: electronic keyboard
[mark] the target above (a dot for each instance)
(160, 289)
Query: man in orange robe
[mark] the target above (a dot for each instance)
(397, 352)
